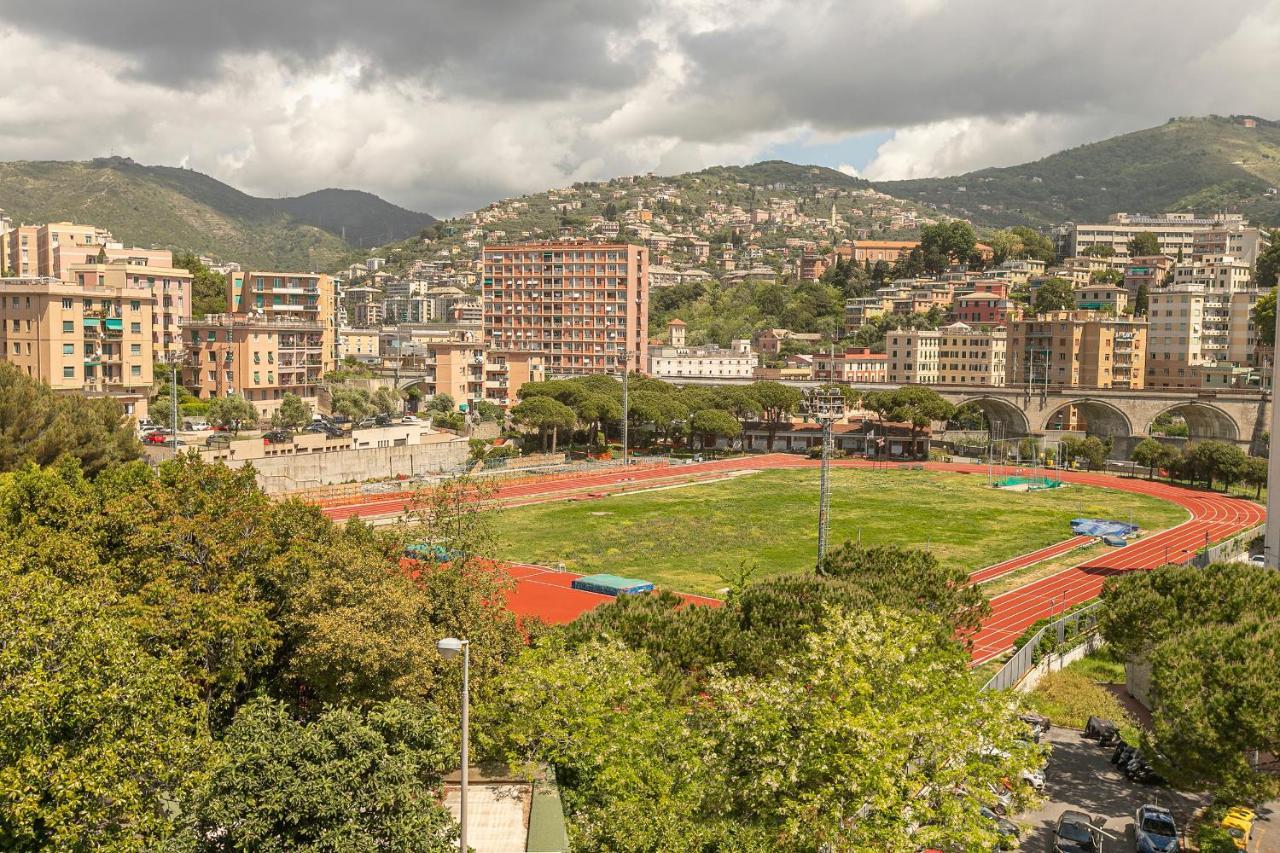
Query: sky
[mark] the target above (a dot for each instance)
(445, 105)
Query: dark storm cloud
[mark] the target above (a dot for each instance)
(503, 48)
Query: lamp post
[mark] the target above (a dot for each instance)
(449, 648)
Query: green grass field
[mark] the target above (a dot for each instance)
(695, 537)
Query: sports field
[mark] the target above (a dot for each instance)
(693, 538)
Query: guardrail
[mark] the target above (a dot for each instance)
(1228, 549)
(1076, 627)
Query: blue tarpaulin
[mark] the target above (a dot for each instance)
(1101, 527)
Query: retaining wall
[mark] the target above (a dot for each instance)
(309, 470)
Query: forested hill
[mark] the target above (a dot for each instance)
(167, 207)
(1203, 164)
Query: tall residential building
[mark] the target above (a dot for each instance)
(5, 224)
(952, 355)
(307, 297)
(1083, 349)
(170, 286)
(1238, 240)
(854, 365)
(1149, 272)
(1176, 232)
(259, 356)
(24, 259)
(94, 338)
(1176, 336)
(505, 372)
(583, 306)
(1220, 277)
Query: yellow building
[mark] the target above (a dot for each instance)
(307, 297)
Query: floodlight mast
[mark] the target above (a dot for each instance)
(826, 405)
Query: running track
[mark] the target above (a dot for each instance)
(1213, 517)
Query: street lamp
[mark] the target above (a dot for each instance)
(449, 648)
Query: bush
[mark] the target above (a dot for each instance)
(1070, 697)
(1214, 839)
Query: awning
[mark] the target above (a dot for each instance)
(115, 324)
(91, 321)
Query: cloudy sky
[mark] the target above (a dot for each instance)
(444, 105)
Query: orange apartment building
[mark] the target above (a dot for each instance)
(306, 297)
(583, 307)
(92, 338)
(1077, 349)
(858, 365)
(505, 372)
(261, 357)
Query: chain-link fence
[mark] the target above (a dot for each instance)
(1058, 636)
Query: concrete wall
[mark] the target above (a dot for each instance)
(302, 471)
(1053, 662)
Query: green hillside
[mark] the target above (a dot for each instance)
(1203, 164)
(160, 206)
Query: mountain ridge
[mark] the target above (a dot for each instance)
(178, 208)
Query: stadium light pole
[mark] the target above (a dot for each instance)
(826, 405)
(1271, 537)
(449, 648)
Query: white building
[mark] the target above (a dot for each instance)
(676, 360)
(952, 355)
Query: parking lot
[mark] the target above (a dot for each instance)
(1080, 776)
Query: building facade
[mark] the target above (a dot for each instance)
(170, 286)
(92, 338)
(676, 359)
(261, 357)
(309, 298)
(957, 354)
(1077, 349)
(583, 306)
(859, 365)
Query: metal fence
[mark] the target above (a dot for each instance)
(1068, 632)
(1228, 549)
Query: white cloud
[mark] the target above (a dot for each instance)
(849, 170)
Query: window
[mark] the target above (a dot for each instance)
(135, 328)
(67, 325)
(136, 304)
(68, 373)
(135, 370)
(135, 349)
(66, 305)
(257, 379)
(67, 349)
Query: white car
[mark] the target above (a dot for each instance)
(1258, 560)
(409, 419)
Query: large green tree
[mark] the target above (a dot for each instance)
(208, 288)
(345, 781)
(1264, 317)
(232, 411)
(293, 413)
(778, 403)
(1144, 244)
(713, 425)
(547, 415)
(101, 744)
(38, 426)
(1055, 294)
(1267, 269)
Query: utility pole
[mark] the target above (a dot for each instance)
(626, 417)
(827, 406)
(173, 397)
(1271, 538)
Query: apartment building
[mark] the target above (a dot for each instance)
(1107, 298)
(957, 354)
(505, 372)
(361, 344)
(675, 358)
(454, 366)
(92, 338)
(1084, 349)
(1176, 337)
(363, 305)
(859, 310)
(583, 306)
(1149, 272)
(309, 298)
(1242, 334)
(983, 309)
(171, 287)
(6, 224)
(1238, 240)
(855, 365)
(257, 355)
(1176, 232)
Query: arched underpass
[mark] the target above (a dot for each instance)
(1004, 419)
(1092, 417)
(1204, 421)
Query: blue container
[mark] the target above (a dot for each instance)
(612, 585)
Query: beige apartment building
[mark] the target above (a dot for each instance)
(362, 344)
(1176, 232)
(1077, 349)
(1220, 278)
(583, 306)
(952, 355)
(92, 338)
(454, 367)
(306, 297)
(261, 357)
(1106, 298)
(34, 250)
(505, 372)
(1176, 336)
(170, 286)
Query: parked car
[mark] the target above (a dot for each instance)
(1258, 559)
(1154, 830)
(1238, 823)
(160, 436)
(277, 436)
(410, 419)
(1005, 828)
(1075, 833)
(218, 439)
(325, 429)
(197, 426)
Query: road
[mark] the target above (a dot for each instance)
(1212, 517)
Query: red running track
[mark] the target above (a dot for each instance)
(1213, 517)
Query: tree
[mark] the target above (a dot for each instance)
(1035, 245)
(910, 579)
(777, 403)
(351, 403)
(38, 426)
(1211, 639)
(1255, 474)
(1055, 294)
(232, 412)
(916, 405)
(1091, 449)
(487, 411)
(208, 288)
(101, 744)
(387, 401)
(1141, 301)
(347, 781)
(1112, 277)
(1267, 269)
(1144, 244)
(1264, 317)
(947, 241)
(1099, 250)
(1004, 245)
(442, 403)
(1150, 454)
(292, 414)
(546, 415)
(713, 425)
(1214, 460)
